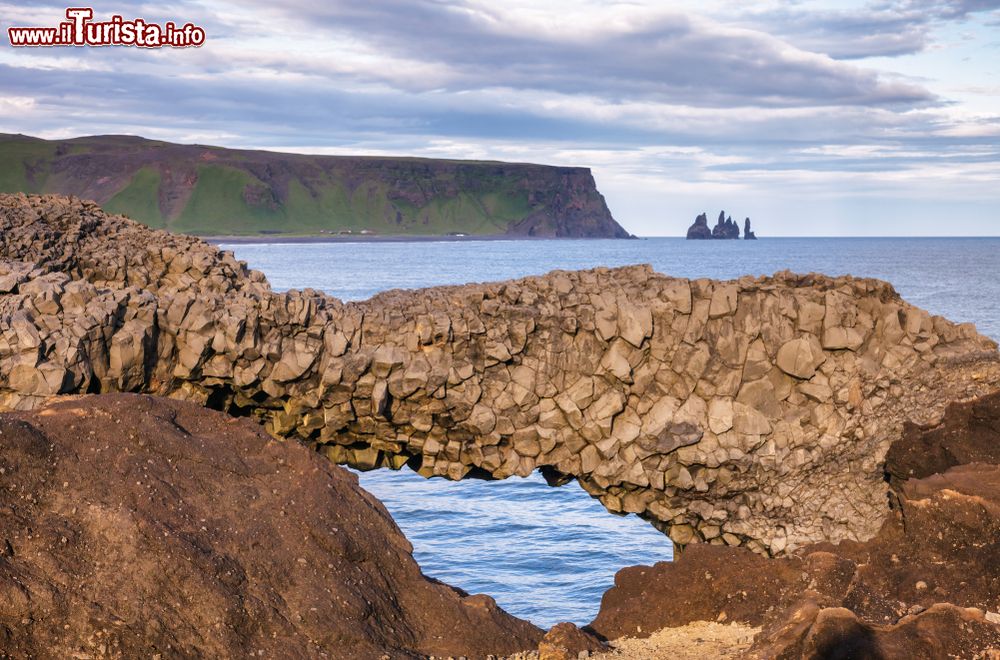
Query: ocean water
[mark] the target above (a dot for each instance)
(548, 554)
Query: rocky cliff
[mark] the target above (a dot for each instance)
(754, 412)
(133, 526)
(213, 191)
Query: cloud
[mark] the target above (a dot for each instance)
(877, 29)
(703, 105)
(620, 53)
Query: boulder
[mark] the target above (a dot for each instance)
(801, 356)
(564, 641)
(942, 631)
(136, 526)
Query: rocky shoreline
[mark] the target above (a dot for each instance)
(188, 532)
(926, 586)
(792, 434)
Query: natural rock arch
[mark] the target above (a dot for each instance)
(756, 411)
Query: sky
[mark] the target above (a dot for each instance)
(811, 117)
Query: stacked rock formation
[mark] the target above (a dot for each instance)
(725, 228)
(926, 586)
(753, 412)
(748, 234)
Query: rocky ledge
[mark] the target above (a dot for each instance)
(926, 586)
(134, 526)
(753, 412)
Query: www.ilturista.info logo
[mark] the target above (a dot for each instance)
(81, 30)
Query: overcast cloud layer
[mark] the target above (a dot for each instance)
(815, 118)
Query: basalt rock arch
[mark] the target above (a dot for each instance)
(750, 412)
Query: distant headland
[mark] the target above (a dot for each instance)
(724, 228)
(211, 191)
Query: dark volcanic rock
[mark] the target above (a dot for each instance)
(905, 593)
(132, 526)
(748, 235)
(699, 230)
(968, 433)
(725, 228)
(704, 581)
(570, 208)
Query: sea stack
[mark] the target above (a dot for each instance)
(748, 235)
(725, 228)
(699, 230)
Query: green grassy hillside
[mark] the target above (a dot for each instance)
(213, 191)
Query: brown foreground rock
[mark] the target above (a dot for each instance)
(132, 526)
(942, 631)
(564, 641)
(927, 586)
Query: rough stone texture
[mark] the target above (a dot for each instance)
(564, 641)
(942, 631)
(752, 412)
(134, 526)
(702, 640)
(968, 433)
(927, 586)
